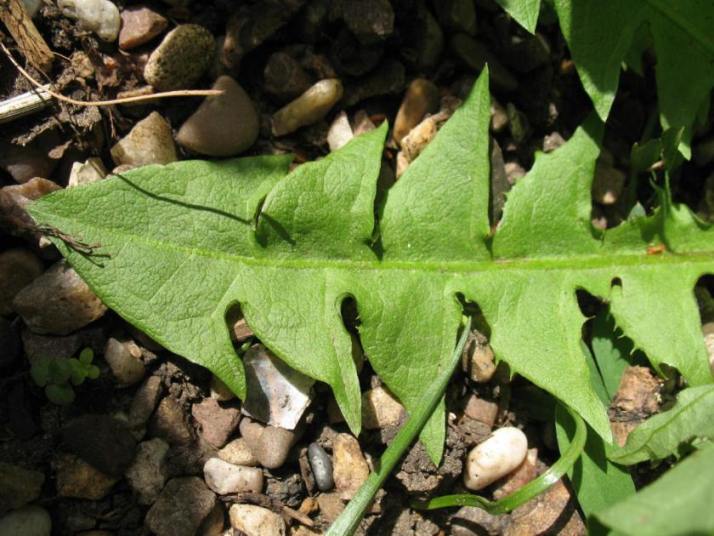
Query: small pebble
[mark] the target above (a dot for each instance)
(500, 454)
(224, 125)
(499, 117)
(144, 402)
(380, 409)
(387, 79)
(169, 423)
(418, 138)
(25, 163)
(58, 302)
(517, 123)
(421, 98)
(256, 520)
(321, 466)
(285, 79)
(478, 358)
(148, 474)
(140, 25)
(481, 410)
(331, 506)
(475, 55)
(101, 440)
(124, 358)
(92, 170)
(18, 486)
(181, 508)
(340, 132)
(27, 521)
(552, 141)
(350, 467)
(277, 394)
(519, 477)
(181, 58)
(224, 478)
(149, 142)
(98, 16)
(217, 422)
(608, 183)
(238, 452)
(270, 444)
(18, 268)
(78, 479)
(370, 21)
(308, 108)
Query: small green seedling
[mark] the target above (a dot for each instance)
(58, 375)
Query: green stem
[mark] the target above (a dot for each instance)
(349, 520)
(527, 492)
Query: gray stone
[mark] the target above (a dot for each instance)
(457, 15)
(285, 79)
(27, 521)
(101, 440)
(25, 163)
(18, 268)
(217, 422)
(78, 479)
(181, 58)
(148, 474)
(256, 520)
(308, 108)
(224, 478)
(18, 486)
(471, 521)
(58, 302)
(371, 21)
(269, 444)
(124, 358)
(140, 25)
(321, 466)
(387, 79)
(277, 394)
(169, 423)
(224, 125)
(98, 16)
(144, 402)
(181, 508)
(149, 142)
(475, 55)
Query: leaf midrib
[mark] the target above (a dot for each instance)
(595, 261)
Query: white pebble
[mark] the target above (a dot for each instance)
(224, 478)
(99, 16)
(500, 454)
(340, 132)
(256, 520)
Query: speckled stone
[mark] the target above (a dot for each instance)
(181, 58)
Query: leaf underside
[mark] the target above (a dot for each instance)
(183, 245)
(600, 34)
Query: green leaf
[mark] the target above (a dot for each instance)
(601, 33)
(60, 394)
(597, 482)
(678, 503)
(86, 356)
(610, 352)
(661, 435)
(181, 246)
(40, 371)
(525, 12)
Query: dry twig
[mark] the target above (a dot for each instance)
(17, 21)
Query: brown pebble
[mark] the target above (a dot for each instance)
(139, 25)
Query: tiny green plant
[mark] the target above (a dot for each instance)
(59, 375)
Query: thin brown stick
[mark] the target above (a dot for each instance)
(112, 102)
(15, 17)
